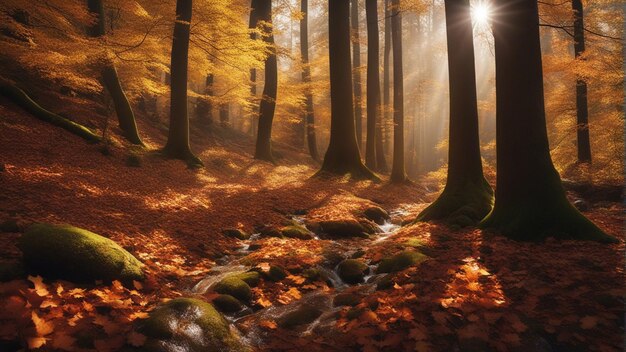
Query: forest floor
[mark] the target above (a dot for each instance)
(475, 291)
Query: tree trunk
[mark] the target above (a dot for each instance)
(309, 116)
(356, 59)
(373, 83)
(178, 139)
(582, 112)
(111, 81)
(342, 156)
(387, 79)
(254, 21)
(268, 101)
(398, 173)
(467, 197)
(204, 110)
(224, 114)
(530, 200)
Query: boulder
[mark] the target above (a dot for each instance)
(346, 299)
(234, 286)
(296, 231)
(301, 316)
(227, 304)
(376, 214)
(236, 233)
(191, 325)
(400, 261)
(276, 273)
(352, 271)
(75, 254)
(345, 228)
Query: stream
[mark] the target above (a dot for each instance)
(247, 320)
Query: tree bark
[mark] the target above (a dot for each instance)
(387, 79)
(111, 81)
(373, 83)
(467, 197)
(224, 113)
(342, 156)
(254, 21)
(268, 101)
(178, 139)
(530, 200)
(309, 116)
(398, 173)
(582, 112)
(356, 59)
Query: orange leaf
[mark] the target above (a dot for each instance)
(268, 324)
(35, 342)
(136, 339)
(40, 287)
(42, 327)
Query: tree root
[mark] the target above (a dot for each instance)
(20, 98)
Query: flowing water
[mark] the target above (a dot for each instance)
(248, 320)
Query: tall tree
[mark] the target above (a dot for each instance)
(530, 200)
(467, 197)
(398, 173)
(387, 75)
(582, 112)
(268, 101)
(356, 60)
(110, 79)
(308, 116)
(225, 113)
(342, 156)
(178, 139)
(373, 83)
(252, 24)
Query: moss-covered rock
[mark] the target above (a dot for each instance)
(234, 286)
(296, 231)
(75, 254)
(415, 243)
(352, 271)
(384, 283)
(270, 231)
(332, 257)
(376, 214)
(252, 278)
(346, 299)
(11, 271)
(236, 233)
(227, 304)
(313, 274)
(276, 273)
(301, 316)
(344, 228)
(191, 325)
(400, 261)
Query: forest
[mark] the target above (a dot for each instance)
(312, 175)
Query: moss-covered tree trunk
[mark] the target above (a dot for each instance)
(252, 24)
(111, 81)
(268, 101)
(308, 116)
(373, 83)
(530, 200)
(582, 111)
(398, 172)
(387, 80)
(467, 197)
(356, 60)
(342, 156)
(178, 138)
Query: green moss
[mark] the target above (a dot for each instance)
(227, 304)
(415, 243)
(296, 231)
(276, 273)
(400, 262)
(385, 282)
(301, 316)
(461, 205)
(312, 274)
(252, 278)
(352, 271)
(346, 299)
(75, 254)
(191, 324)
(234, 286)
(236, 233)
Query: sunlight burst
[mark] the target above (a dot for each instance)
(481, 13)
